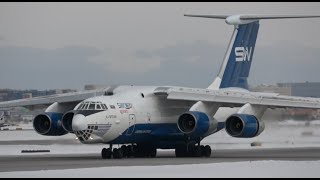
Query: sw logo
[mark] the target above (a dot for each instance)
(243, 53)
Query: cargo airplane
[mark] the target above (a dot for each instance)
(143, 119)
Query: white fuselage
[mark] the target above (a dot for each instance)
(133, 115)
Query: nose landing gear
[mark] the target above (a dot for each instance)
(144, 150)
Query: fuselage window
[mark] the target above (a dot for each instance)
(112, 107)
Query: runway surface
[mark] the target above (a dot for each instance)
(73, 161)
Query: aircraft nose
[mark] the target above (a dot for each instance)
(79, 123)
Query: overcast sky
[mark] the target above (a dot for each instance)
(67, 45)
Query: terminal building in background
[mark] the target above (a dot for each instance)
(306, 89)
(303, 89)
(19, 114)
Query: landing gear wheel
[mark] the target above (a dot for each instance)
(197, 151)
(207, 151)
(129, 151)
(124, 150)
(153, 152)
(106, 153)
(181, 150)
(117, 153)
(135, 150)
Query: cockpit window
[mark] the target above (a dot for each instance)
(80, 106)
(86, 105)
(92, 106)
(98, 107)
(104, 106)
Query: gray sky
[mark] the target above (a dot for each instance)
(68, 45)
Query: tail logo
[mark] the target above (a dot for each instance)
(243, 53)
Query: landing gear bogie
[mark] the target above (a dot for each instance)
(117, 153)
(182, 150)
(129, 151)
(207, 151)
(106, 153)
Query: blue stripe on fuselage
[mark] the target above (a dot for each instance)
(165, 135)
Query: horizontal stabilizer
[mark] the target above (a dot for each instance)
(256, 17)
(208, 16)
(246, 18)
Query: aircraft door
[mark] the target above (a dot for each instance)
(132, 122)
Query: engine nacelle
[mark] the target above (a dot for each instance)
(194, 123)
(66, 121)
(49, 124)
(243, 126)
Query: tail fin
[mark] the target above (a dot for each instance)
(235, 68)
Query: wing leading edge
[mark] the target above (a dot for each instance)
(234, 98)
(73, 97)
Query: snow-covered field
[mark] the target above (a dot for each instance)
(277, 134)
(250, 169)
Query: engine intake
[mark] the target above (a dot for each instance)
(194, 123)
(67, 121)
(243, 126)
(49, 124)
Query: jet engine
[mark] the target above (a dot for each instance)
(67, 121)
(194, 123)
(49, 124)
(243, 126)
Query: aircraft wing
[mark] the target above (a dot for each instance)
(73, 97)
(235, 98)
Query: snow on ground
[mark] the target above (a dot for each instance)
(54, 149)
(276, 134)
(18, 135)
(249, 169)
(299, 123)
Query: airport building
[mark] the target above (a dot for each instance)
(306, 89)
(12, 94)
(303, 89)
(94, 86)
(18, 114)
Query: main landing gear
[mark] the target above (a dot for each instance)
(127, 151)
(147, 150)
(183, 150)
